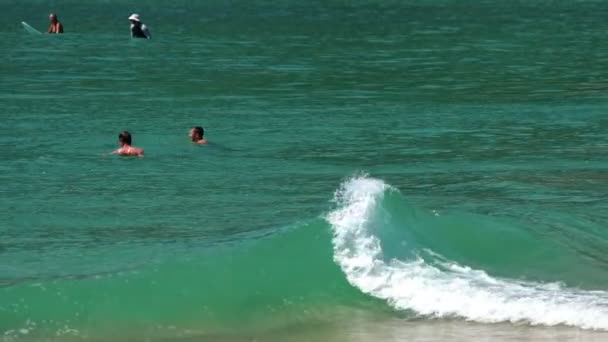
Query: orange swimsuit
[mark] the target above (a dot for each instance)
(56, 28)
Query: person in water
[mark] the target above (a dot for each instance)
(124, 139)
(56, 26)
(196, 134)
(139, 29)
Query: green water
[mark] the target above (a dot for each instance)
(489, 117)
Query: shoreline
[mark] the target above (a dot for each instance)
(359, 328)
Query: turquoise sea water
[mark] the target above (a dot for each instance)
(378, 170)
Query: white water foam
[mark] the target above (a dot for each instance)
(455, 291)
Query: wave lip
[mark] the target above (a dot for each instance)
(445, 289)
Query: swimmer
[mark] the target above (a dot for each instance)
(196, 134)
(138, 29)
(124, 139)
(56, 26)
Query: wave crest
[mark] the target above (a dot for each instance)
(445, 288)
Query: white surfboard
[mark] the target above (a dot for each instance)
(30, 29)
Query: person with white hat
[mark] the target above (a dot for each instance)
(138, 29)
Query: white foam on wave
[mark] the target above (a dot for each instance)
(453, 290)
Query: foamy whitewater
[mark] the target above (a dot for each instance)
(457, 290)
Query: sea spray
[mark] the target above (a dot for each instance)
(453, 290)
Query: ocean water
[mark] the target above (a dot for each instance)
(424, 170)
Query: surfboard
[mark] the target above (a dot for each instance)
(30, 29)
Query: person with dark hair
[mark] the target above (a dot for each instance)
(56, 26)
(124, 139)
(196, 134)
